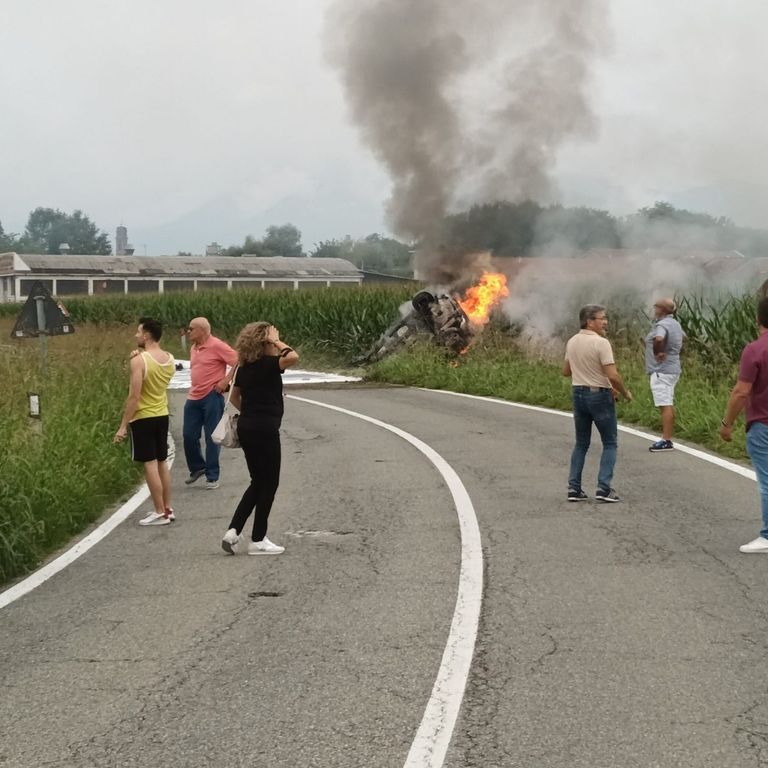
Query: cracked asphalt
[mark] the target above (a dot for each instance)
(611, 636)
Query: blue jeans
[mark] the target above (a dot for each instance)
(596, 407)
(757, 447)
(202, 416)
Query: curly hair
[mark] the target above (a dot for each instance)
(252, 341)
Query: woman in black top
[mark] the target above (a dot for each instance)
(258, 393)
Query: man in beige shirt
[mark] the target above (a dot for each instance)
(596, 383)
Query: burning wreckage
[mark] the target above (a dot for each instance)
(435, 314)
(449, 320)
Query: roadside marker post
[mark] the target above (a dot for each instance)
(41, 316)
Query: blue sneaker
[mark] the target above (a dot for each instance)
(662, 445)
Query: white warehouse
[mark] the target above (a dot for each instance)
(66, 275)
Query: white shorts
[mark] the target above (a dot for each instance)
(663, 388)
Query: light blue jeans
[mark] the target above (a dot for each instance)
(757, 447)
(598, 408)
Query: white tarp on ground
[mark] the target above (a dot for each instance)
(291, 376)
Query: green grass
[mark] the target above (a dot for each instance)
(498, 367)
(59, 473)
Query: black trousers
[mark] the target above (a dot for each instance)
(260, 441)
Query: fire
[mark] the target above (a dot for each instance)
(480, 299)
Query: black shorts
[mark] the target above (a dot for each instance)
(149, 439)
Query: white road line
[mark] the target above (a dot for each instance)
(42, 575)
(433, 737)
(716, 460)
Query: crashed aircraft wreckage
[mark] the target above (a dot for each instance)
(449, 320)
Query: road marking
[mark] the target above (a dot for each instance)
(42, 575)
(716, 460)
(433, 737)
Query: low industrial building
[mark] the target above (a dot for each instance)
(66, 275)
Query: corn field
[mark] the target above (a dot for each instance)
(344, 321)
(717, 330)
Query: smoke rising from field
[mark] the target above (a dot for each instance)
(546, 292)
(465, 101)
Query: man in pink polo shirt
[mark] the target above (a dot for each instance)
(209, 358)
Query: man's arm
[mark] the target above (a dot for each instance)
(659, 347)
(134, 395)
(617, 382)
(736, 403)
(567, 368)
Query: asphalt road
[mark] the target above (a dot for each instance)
(611, 636)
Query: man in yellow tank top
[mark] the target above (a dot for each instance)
(146, 415)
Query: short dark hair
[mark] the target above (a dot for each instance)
(588, 312)
(153, 327)
(762, 312)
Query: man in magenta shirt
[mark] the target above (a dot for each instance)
(209, 358)
(751, 391)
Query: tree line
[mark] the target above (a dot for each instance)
(503, 228)
(48, 229)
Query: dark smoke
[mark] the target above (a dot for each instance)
(465, 101)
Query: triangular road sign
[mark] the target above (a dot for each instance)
(42, 315)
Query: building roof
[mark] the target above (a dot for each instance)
(288, 267)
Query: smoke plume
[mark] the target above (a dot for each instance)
(465, 101)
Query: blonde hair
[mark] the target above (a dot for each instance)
(252, 341)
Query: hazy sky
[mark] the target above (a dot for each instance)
(191, 122)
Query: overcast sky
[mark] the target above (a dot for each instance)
(193, 122)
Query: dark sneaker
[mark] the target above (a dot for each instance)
(576, 495)
(662, 445)
(607, 496)
(194, 476)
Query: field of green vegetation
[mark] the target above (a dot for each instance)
(56, 480)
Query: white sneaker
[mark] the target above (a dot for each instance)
(155, 518)
(169, 513)
(757, 546)
(264, 547)
(211, 485)
(230, 541)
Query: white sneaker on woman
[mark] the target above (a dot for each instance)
(264, 547)
(230, 541)
(155, 518)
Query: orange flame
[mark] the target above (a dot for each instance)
(480, 299)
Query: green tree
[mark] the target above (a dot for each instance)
(664, 226)
(374, 253)
(505, 229)
(47, 229)
(8, 242)
(329, 249)
(284, 240)
(576, 229)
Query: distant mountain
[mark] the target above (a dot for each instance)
(328, 211)
(745, 203)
